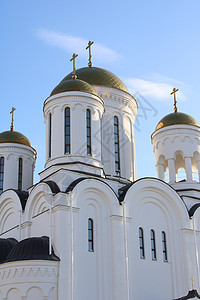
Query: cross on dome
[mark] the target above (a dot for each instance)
(12, 122)
(74, 67)
(90, 55)
(174, 93)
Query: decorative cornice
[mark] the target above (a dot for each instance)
(33, 271)
(119, 99)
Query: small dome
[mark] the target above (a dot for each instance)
(6, 246)
(73, 85)
(14, 137)
(176, 118)
(98, 76)
(32, 249)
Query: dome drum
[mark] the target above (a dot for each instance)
(66, 130)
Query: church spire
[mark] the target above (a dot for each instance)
(90, 55)
(12, 122)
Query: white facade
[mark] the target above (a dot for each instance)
(116, 237)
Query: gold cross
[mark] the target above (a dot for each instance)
(174, 92)
(74, 68)
(193, 282)
(12, 112)
(90, 55)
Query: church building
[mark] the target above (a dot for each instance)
(89, 229)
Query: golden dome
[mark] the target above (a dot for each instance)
(73, 85)
(14, 137)
(175, 119)
(98, 76)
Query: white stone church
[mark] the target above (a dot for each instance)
(89, 230)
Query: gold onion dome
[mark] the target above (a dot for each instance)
(14, 137)
(98, 76)
(175, 119)
(73, 85)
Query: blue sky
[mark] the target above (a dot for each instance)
(152, 46)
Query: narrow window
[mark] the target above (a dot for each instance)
(164, 246)
(116, 141)
(67, 130)
(141, 242)
(88, 121)
(1, 173)
(50, 117)
(153, 245)
(90, 235)
(20, 170)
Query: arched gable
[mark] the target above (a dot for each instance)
(39, 198)
(163, 195)
(95, 202)
(154, 206)
(10, 205)
(89, 186)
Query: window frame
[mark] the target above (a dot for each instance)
(2, 165)
(88, 132)
(153, 245)
(164, 246)
(116, 145)
(67, 116)
(141, 243)
(90, 235)
(20, 173)
(50, 133)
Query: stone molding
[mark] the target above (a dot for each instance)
(28, 271)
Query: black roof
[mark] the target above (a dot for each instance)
(6, 246)
(190, 295)
(193, 209)
(23, 196)
(34, 248)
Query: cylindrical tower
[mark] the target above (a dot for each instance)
(17, 161)
(73, 114)
(176, 145)
(118, 141)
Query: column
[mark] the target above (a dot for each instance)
(188, 168)
(171, 166)
(160, 171)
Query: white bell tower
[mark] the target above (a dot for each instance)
(176, 145)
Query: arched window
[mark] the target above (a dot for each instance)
(141, 242)
(50, 119)
(1, 173)
(90, 235)
(67, 130)
(153, 245)
(164, 246)
(20, 170)
(116, 141)
(88, 121)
